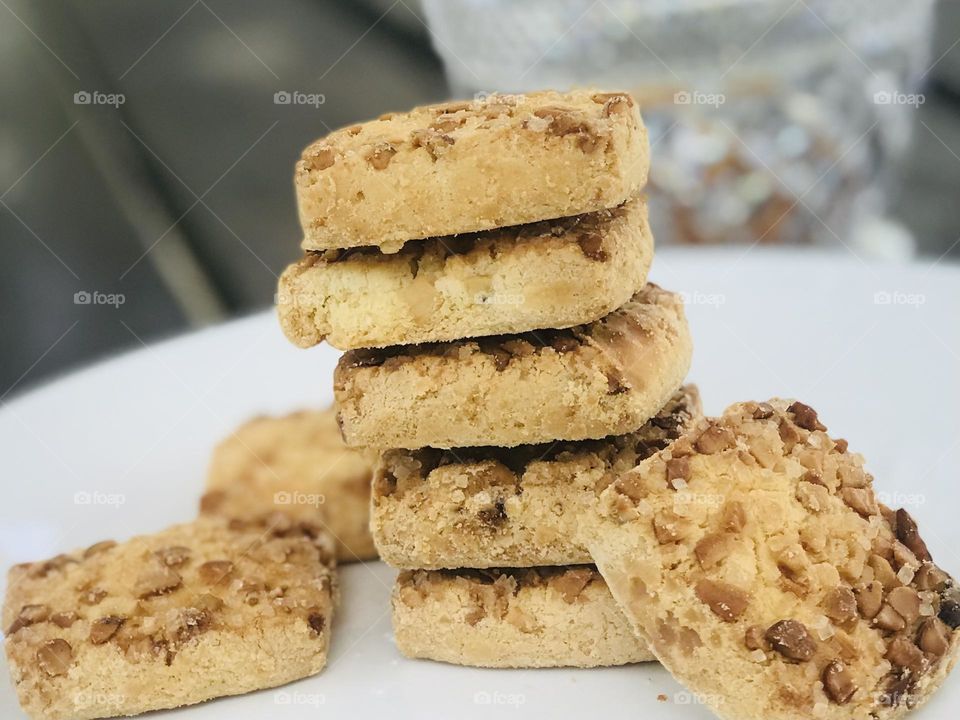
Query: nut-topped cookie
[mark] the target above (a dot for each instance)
(461, 167)
(296, 464)
(554, 273)
(535, 617)
(506, 507)
(590, 381)
(754, 557)
(191, 613)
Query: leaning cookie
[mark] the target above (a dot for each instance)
(605, 378)
(506, 507)
(462, 167)
(556, 273)
(530, 618)
(754, 557)
(296, 464)
(195, 612)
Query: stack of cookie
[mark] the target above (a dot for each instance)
(484, 264)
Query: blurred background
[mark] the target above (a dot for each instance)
(147, 149)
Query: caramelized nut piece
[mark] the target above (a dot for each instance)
(753, 638)
(806, 417)
(174, 556)
(860, 500)
(668, 528)
(321, 158)
(29, 614)
(727, 602)
(934, 637)
(889, 619)
(678, 468)
(837, 683)
(791, 639)
(157, 581)
(64, 619)
(55, 657)
(380, 155)
(714, 439)
(215, 571)
(840, 605)
(631, 485)
(904, 653)
(907, 534)
(317, 623)
(763, 411)
(103, 629)
(712, 549)
(869, 599)
(734, 517)
(883, 572)
(906, 602)
(98, 548)
(929, 577)
(571, 583)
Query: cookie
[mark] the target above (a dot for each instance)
(195, 612)
(754, 557)
(297, 464)
(498, 507)
(539, 617)
(590, 381)
(461, 167)
(556, 273)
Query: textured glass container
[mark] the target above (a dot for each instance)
(771, 121)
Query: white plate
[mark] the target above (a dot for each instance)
(139, 428)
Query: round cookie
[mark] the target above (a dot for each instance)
(299, 465)
(754, 557)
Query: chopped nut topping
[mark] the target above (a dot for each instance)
(934, 637)
(712, 549)
(930, 577)
(753, 638)
(763, 411)
(837, 683)
(92, 596)
(840, 605)
(631, 484)
(906, 602)
(573, 582)
(904, 653)
(883, 572)
(727, 602)
(860, 500)
(64, 619)
(381, 154)
(157, 581)
(591, 245)
(668, 528)
(950, 612)
(889, 619)
(174, 556)
(98, 548)
(806, 417)
(791, 639)
(733, 517)
(215, 571)
(908, 534)
(103, 629)
(869, 599)
(714, 439)
(55, 657)
(29, 614)
(320, 158)
(678, 468)
(436, 143)
(840, 445)
(317, 623)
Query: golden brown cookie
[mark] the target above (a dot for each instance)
(537, 617)
(506, 507)
(296, 464)
(461, 167)
(754, 557)
(195, 612)
(591, 381)
(555, 273)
